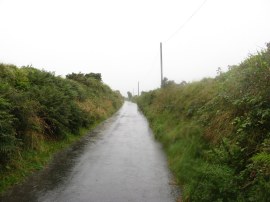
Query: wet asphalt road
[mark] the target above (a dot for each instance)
(118, 162)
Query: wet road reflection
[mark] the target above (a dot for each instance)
(117, 162)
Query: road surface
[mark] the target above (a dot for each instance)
(118, 162)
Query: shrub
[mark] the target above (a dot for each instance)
(216, 132)
(36, 105)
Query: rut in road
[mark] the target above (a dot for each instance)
(118, 162)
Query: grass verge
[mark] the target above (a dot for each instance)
(31, 161)
(216, 131)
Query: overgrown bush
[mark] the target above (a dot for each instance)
(216, 132)
(36, 105)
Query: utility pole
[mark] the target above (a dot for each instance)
(161, 65)
(138, 88)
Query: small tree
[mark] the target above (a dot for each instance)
(166, 82)
(96, 76)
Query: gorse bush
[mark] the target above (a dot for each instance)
(216, 132)
(37, 105)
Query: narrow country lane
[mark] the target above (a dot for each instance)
(118, 162)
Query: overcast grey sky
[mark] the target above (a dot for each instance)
(120, 38)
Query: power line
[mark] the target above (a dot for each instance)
(179, 29)
(185, 23)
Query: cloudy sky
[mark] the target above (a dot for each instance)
(120, 38)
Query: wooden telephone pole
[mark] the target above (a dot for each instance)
(138, 88)
(161, 65)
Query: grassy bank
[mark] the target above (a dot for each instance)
(30, 160)
(216, 132)
(42, 113)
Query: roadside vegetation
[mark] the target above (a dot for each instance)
(41, 113)
(216, 132)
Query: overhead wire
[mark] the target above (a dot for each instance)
(185, 23)
(176, 32)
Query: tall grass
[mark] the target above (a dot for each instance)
(216, 132)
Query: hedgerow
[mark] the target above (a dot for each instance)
(216, 132)
(38, 106)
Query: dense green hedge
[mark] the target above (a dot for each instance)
(37, 105)
(216, 132)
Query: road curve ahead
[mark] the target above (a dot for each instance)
(118, 162)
